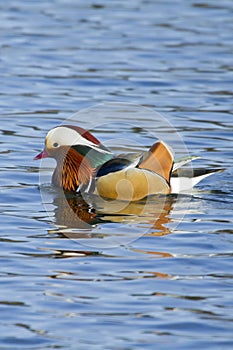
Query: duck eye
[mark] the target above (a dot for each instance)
(55, 144)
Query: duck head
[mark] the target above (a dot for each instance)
(77, 153)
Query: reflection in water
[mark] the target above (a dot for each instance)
(98, 223)
(77, 218)
(73, 212)
(130, 275)
(157, 254)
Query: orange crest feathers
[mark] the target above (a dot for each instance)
(158, 159)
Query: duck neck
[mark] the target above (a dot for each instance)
(72, 170)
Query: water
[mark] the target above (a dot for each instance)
(171, 287)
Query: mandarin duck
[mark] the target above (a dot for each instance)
(85, 164)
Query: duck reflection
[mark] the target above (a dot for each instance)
(77, 217)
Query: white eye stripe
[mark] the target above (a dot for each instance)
(63, 136)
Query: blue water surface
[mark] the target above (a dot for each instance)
(167, 280)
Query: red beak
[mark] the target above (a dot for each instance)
(41, 155)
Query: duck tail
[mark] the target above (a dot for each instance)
(185, 179)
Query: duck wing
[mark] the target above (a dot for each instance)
(113, 165)
(158, 159)
(178, 163)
